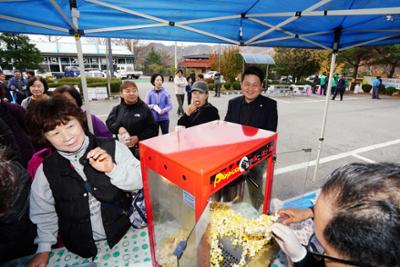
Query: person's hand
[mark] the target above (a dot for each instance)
(124, 138)
(288, 242)
(100, 160)
(133, 140)
(291, 215)
(191, 108)
(39, 260)
(122, 130)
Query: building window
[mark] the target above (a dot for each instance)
(65, 60)
(54, 68)
(53, 60)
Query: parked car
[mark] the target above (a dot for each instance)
(44, 75)
(60, 75)
(209, 75)
(115, 74)
(310, 78)
(8, 73)
(287, 79)
(94, 73)
(71, 71)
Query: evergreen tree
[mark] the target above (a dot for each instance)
(356, 57)
(17, 52)
(152, 59)
(388, 56)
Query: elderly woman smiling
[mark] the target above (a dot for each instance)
(38, 88)
(82, 189)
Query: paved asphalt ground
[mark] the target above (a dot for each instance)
(359, 129)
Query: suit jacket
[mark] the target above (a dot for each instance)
(265, 113)
(4, 92)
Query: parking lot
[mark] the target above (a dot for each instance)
(358, 129)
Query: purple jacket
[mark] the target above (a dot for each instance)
(99, 128)
(162, 99)
(13, 115)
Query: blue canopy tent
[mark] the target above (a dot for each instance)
(334, 25)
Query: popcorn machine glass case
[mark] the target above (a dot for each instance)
(186, 170)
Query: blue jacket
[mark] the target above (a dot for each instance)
(19, 85)
(162, 99)
(18, 89)
(376, 83)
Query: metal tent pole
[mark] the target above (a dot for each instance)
(75, 16)
(110, 67)
(266, 79)
(328, 94)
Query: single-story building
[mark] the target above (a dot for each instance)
(58, 55)
(196, 63)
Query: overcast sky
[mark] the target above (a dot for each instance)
(70, 39)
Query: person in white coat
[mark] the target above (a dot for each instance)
(180, 85)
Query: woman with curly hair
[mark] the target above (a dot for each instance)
(83, 190)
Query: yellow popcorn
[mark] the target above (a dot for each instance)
(164, 252)
(251, 235)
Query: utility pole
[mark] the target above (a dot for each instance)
(176, 58)
(219, 58)
(134, 54)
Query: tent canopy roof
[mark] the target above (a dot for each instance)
(257, 59)
(272, 23)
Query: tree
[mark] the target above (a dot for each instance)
(213, 60)
(17, 52)
(166, 59)
(152, 58)
(356, 57)
(297, 62)
(388, 56)
(231, 63)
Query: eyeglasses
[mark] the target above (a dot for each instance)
(129, 91)
(315, 248)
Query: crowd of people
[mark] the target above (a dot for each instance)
(58, 179)
(62, 185)
(339, 83)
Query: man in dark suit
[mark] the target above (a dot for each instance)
(3, 88)
(253, 109)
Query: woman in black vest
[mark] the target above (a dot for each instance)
(73, 185)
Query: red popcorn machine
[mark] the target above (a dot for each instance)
(185, 170)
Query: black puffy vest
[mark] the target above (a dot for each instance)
(72, 205)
